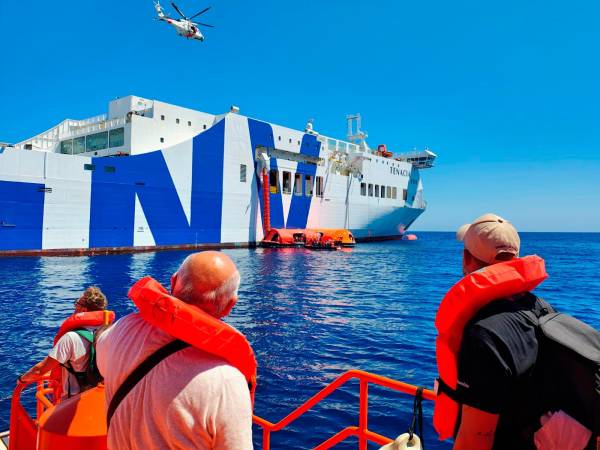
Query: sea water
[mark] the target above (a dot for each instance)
(310, 316)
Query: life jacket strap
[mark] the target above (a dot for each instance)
(447, 390)
(140, 372)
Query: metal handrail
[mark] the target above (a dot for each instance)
(361, 431)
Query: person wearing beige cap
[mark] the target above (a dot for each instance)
(504, 373)
(497, 345)
(488, 240)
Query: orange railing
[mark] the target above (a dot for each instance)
(23, 429)
(361, 431)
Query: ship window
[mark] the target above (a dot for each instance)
(298, 142)
(290, 140)
(376, 190)
(189, 123)
(162, 139)
(298, 184)
(116, 137)
(370, 190)
(287, 182)
(278, 138)
(97, 141)
(319, 186)
(162, 117)
(204, 127)
(242, 173)
(404, 194)
(382, 191)
(308, 186)
(66, 147)
(389, 192)
(342, 146)
(89, 167)
(331, 145)
(363, 189)
(79, 145)
(394, 193)
(273, 181)
(110, 169)
(177, 121)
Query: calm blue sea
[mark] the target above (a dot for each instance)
(309, 315)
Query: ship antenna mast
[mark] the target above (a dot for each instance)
(359, 136)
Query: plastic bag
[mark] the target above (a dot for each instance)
(561, 432)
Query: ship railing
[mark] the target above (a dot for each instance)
(336, 145)
(49, 138)
(84, 129)
(360, 431)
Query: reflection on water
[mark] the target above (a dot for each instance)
(309, 315)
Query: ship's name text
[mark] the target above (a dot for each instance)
(396, 171)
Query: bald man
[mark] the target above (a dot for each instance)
(190, 399)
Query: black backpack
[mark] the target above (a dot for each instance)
(567, 370)
(91, 376)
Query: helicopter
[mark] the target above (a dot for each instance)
(185, 26)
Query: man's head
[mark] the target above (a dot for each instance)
(490, 239)
(92, 299)
(208, 280)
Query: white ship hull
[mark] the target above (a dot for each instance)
(203, 191)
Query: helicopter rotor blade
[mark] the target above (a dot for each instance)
(178, 10)
(201, 12)
(203, 24)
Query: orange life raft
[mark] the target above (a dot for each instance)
(458, 306)
(194, 326)
(319, 238)
(340, 236)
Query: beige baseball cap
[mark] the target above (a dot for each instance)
(488, 236)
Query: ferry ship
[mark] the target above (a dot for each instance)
(150, 175)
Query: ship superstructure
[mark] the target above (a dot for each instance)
(149, 174)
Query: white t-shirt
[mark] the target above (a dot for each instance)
(74, 349)
(190, 400)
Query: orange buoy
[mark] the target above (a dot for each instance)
(409, 237)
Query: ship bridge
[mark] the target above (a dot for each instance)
(421, 160)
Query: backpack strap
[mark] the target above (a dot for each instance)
(140, 372)
(541, 309)
(90, 337)
(80, 376)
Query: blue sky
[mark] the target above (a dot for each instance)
(507, 93)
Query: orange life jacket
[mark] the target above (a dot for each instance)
(459, 305)
(74, 322)
(82, 320)
(194, 326)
